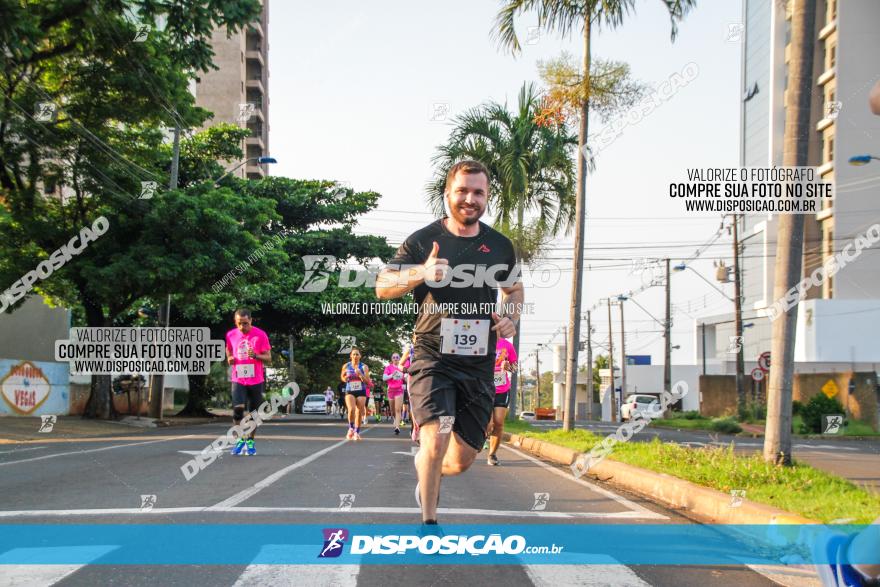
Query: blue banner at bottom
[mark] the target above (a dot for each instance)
(281, 544)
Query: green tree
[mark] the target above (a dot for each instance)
(566, 17)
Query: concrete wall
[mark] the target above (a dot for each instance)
(30, 331)
(717, 395)
(33, 388)
(860, 404)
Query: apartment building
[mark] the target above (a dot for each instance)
(838, 321)
(238, 92)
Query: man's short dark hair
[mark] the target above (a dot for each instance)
(243, 312)
(467, 166)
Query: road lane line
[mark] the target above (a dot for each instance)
(599, 575)
(646, 513)
(24, 575)
(628, 515)
(268, 481)
(80, 452)
(293, 575)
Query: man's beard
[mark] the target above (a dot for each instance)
(466, 220)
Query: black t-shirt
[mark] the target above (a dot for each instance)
(478, 265)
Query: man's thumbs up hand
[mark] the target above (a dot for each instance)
(435, 267)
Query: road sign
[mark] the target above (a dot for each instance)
(830, 388)
(758, 374)
(764, 361)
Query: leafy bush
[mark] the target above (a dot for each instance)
(692, 415)
(811, 414)
(726, 424)
(754, 412)
(796, 408)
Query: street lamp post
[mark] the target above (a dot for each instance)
(259, 160)
(859, 160)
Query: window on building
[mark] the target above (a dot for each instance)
(832, 55)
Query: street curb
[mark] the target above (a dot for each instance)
(704, 502)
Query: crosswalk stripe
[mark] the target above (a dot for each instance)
(609, 572)
(317, 575)
(42, 575)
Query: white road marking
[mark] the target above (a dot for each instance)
(268, 481)
(789, 575)
(628, 515)
(27, 575)
(632, 506)
(281, 575)
(820, 446)
(207, 452)
(80, 452)
(584, 575)
(413, 451)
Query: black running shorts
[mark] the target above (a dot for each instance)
(436, 392)
(250, 396)
(502, 400)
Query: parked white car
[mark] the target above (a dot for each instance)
(527, 416)
(648, 405)
(314, 404)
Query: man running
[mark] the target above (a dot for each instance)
(505, 363)
(393, 377)
(453, 267)
(247, 348)
(340, 400)
(355, 376)
(328, 399)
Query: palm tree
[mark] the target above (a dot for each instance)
(789, 251)
(565, 17)
(532, 171)
(530, 164)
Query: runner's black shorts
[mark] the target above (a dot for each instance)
(502, 400)
(250, 396)
(436, 392)
(359, 393)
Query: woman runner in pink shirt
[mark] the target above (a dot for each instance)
(505, 363)
(393, 377)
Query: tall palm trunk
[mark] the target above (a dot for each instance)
(789, 250)
(514, 378)
(574, 322)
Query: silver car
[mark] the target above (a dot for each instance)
(314, 404)
(648, 405)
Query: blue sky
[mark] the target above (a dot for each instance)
(353, 87)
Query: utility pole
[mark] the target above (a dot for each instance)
(589, 368)
(566, 417)
(537, 379)
(667, 352)
(740, 360)
(622, 354)
(157, 381)
(290, 375)
(611, 365)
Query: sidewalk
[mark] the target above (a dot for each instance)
(15, 429)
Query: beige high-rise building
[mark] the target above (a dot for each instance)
(238, 92)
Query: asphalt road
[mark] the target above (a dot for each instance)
(856, 460)
(297, 477)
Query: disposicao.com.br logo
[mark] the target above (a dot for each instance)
(320, 268)
(452, 544)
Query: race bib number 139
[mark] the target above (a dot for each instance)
(464, 337)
